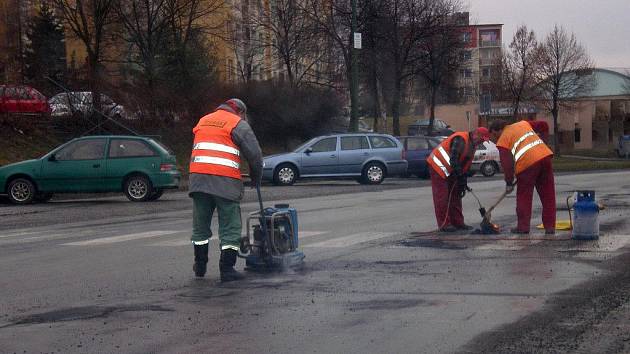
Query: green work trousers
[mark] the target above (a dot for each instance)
(229, 220)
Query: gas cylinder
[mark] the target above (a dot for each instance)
(585, 217)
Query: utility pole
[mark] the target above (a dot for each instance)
(354, 87)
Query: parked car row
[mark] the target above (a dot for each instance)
(142, 168)
(368, 158)
(27, 100)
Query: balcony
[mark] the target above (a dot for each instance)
(488, 61)
(489, 44)
(486, 79)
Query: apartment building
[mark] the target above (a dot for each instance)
(482, 49)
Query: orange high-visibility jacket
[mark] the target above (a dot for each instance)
(214, 152)
(526, 146)
(440, 159)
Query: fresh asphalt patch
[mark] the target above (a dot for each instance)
(592, 315)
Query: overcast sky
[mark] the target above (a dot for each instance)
(602, 26)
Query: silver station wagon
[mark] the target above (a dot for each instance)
(369, 158)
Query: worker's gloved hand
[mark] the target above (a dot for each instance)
(509, 188)
(457, 170)
(462, 185)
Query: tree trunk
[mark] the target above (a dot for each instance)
(432, 110)
(396, 109)
(556, 144)
(375, 98)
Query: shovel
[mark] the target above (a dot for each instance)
(486, 227)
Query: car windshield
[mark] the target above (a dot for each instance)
(301, 147)
(163, 147)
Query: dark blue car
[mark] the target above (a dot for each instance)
(416, 150)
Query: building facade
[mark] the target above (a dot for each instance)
(479, 57)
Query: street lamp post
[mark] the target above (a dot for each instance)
(354, 95)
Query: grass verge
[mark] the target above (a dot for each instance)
(564, 164)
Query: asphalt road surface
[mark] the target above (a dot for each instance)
(103, 275)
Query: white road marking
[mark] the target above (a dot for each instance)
(19, 233)
(351, 239)
(186, 242)
(305, 234)
(122, 238)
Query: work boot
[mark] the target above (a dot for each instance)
(449, 228)
(201, 260)
(464, 227)
(226, 266)
(519, 232)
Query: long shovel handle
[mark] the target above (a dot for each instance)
(260, 203)
(263, 223)
(498, 201)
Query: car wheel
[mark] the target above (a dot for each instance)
(285, 175)
(373, 173)
(138, 188)
(43, 197)
(488, 169)
(21, 191)
(156, 194)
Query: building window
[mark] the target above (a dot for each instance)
(578, 136)
(466, 55)
(230, 70)
(465, 73)
(466, 37)
(485, 72)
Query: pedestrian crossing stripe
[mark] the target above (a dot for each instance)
(121, 238)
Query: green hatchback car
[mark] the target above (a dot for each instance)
(140, 167)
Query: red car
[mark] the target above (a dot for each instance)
(22, 99)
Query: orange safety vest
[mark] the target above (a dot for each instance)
(440, 159)
(214, 152)
(526, 146)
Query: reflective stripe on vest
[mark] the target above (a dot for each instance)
(216, 161)
(525, 148)
(445, 156)
(440, 165)
(217, 147)
(520, 140)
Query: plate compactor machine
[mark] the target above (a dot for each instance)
(271, 241)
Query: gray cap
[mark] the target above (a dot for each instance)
(237, 105)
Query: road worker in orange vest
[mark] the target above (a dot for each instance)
(221, 139)
(449, 165)
(525, 155)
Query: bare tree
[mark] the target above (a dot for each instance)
(145, 28)
(242, 38)
(420, 38)
(519, 67)
(440, 53)
(285, 29)
(564, 74)
(88, 20)
(334, 19)
(190, 63)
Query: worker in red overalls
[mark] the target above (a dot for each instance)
(523, 153)
(449, 164)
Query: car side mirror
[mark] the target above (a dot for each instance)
(308, 150)
(52, 158)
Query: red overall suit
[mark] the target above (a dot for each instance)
(446, 190)
(525, 155)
